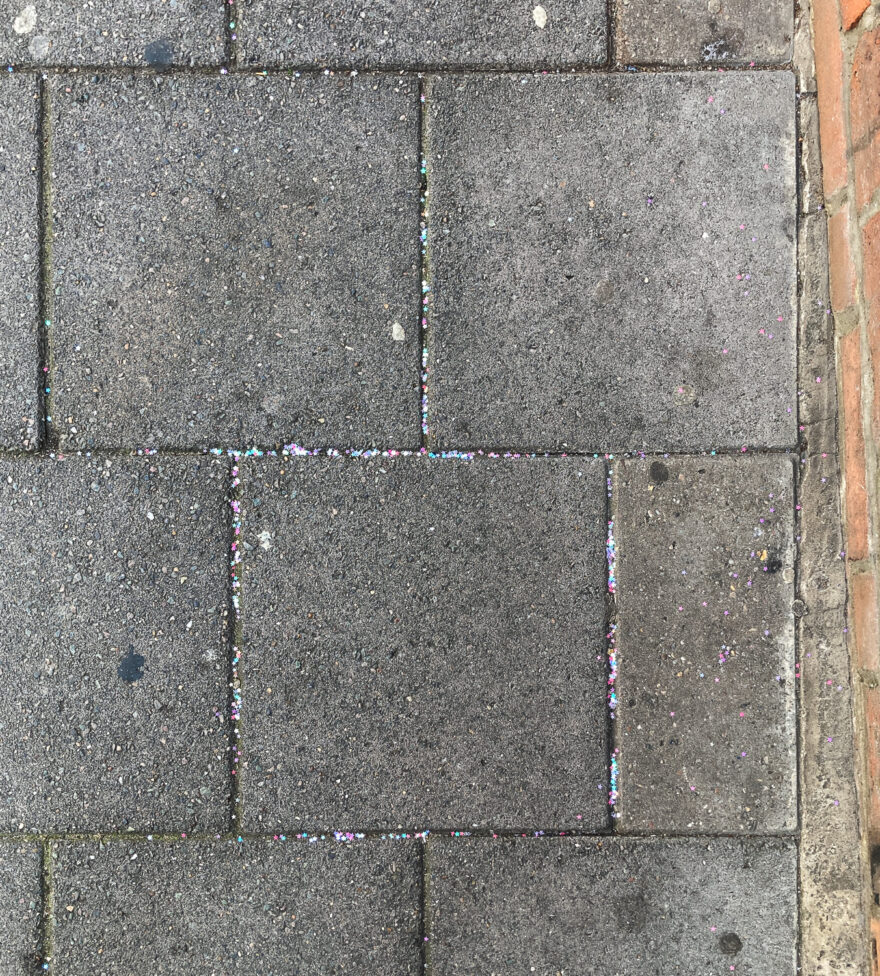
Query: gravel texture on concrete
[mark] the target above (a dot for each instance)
(413, 34)
(635, 907)
(705, 645)
(19, 255)
(156, 33)
(20, 908)
(585, 295)
(254, 909)
(113, 651)
(236, 261)
(713, 32)
(424, 644)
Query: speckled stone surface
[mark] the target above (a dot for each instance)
(605, 905)
(231, 258)
(705, 643)
(113, 650)
(587, 296)
(161, 909)
(20, 908)
(388, 33)
(425, 644)
(19, 253)
(154, 33)
(711, 32)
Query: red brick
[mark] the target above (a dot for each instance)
(871, 267)
(829, 84)
(871, 698)
(842, 277)
(851, 11)
(856, 496)
(865, 116)
(863, 620)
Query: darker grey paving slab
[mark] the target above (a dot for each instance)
(19, 254)
(21, 908)
(235, 261)
(628, 907)
(705, 31)
(706, 665)
(112, 652)
(160, 909)
(114, 32)
(588, 295)
(492, 33)
(424, 644)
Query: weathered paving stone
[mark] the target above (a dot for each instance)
(18, 263)
(117, 32)
(492, 33)
(424, 644)
(635, 907)
(252, 909)
(235, 260)
(112, 652)
(589, 296)
(706, 679)
(20, 909)
(705, 31)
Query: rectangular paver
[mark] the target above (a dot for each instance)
(424, 644)
(159, 33)
(113, 652)
(716, 32)
(705, 645)
(251, 909)
(412, 34)
(19, 255)
(236, 261)
(588, 295)
(21, 908)
(635, 907)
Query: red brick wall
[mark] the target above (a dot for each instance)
(846, 36)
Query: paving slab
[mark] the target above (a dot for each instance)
(491, 34)
(236, 261)
(251, 909)
(424, 644)
(588, 296)
(21, 908)
(158, 33)
(19, 255)
(113, 653)
(705, 31)
(633, 907)
(705, 645)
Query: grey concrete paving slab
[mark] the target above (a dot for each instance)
(159, 33)
(251, 909)
(705, 31)
(113, 651)
(236, 261)
(21, 908)
(424, 644)
(491, 34)
(587, 296)
(633, 907)
(19, 255)
(705, 645)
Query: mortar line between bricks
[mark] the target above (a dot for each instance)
(465, 454)
(47, 887)
(424, 925)
(424, 287)
(610, 622)
(611, 36)
(235, 645)
(311, 70)
(354, 836)
(47, 436)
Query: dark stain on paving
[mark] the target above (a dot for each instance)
(131, 667)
